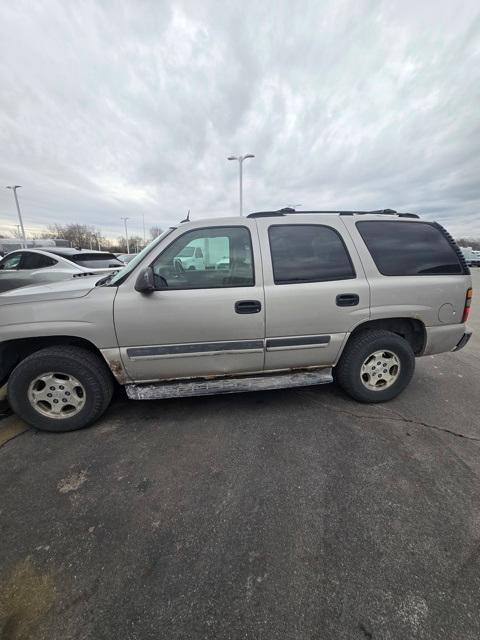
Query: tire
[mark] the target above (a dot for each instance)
(81, 371)
(357, 383)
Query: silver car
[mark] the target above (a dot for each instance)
(32, 266)
(301, 299)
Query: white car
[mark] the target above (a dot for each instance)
(33, 266)
(125, 257)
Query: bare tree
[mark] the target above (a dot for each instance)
(155, 232)
(469, 242)
(78, 235)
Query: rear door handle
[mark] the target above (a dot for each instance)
(347, 300)
(248, 306)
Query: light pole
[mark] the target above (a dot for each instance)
(126, 233)
(240, 169)
(14, 189)
(144, 240)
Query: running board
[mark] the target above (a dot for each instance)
(203, 387)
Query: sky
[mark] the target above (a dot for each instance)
(130, 108)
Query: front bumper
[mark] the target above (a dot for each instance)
(463, 341)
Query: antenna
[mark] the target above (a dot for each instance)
(187, 219)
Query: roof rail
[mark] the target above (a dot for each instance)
(289, 210)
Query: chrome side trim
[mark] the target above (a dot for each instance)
(228, 346)
(196, 348)
(300, 342)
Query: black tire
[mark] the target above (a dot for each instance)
(348, 370)
(85, 366)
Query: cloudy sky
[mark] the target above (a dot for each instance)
(129, 108)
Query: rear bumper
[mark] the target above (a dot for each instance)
(444, 338)
(463, 341)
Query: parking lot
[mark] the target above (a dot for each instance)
(285, 514)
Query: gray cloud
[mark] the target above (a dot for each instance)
(130, 108)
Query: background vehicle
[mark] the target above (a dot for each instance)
(125, 257)
(472, 256)
(31, 266)
(12, 244)
(191, 258)
(305, 297)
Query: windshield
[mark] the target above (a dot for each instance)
(186, 252)
(121, 275)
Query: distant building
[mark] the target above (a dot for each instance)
(11, 244)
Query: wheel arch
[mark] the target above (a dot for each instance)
(411, 329)
(14, 351)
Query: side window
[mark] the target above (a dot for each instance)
(11, 262)
(37, 261)
(227, 260)
(409, 248)
(308, 253)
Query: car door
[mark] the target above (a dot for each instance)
(16, 271)
(315, 289)
(198, 322)
(38, 267)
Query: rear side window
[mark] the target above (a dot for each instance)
(308, 253)
(409, 248)
(36, 261)
(96, 260)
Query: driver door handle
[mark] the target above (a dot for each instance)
(248, 306)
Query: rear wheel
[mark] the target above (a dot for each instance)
(60, 388)
(375, 366)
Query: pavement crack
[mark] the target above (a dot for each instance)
(398, 417)
(366, 632)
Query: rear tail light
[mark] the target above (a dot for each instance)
(468, 302)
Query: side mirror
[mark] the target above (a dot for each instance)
(145, 282)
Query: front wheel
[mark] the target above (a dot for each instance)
(375, 366)
(60, 388)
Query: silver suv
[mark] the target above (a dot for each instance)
(298, 299)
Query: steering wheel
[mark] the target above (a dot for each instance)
(179, 268)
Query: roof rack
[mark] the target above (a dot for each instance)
(289, 210)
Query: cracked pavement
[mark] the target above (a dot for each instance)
(294, 514)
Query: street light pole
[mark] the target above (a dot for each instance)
(144, 239)
(14, 189)
(126, 233)
(240, 174)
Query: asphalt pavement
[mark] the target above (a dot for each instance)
(295, 514)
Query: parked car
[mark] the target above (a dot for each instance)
(32, 266)
(307, 297)
(223, 263)
(472, 256)
(125, 257)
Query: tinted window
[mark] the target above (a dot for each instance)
(36, 261)
(96, 260)
(187, 252)
(11, 262)
(227, 260)
(308, 253)
(409, 248)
